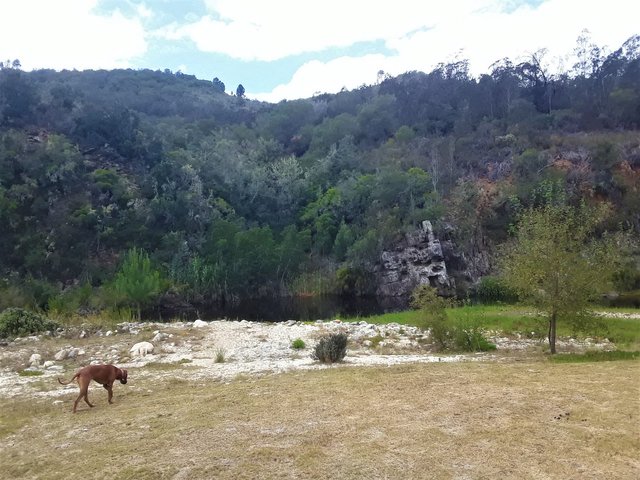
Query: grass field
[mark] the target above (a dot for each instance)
(509, 319)
(468, 420)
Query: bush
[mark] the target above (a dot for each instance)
(433, 311)
(18, 322)
(298, 344)
(468, 337)
(331, 349)
(462, 335)
(221, 355)
(494, 290)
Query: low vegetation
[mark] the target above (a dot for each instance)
(595, 356)
(331, 348)
(19, 322)
(518, 320)
(298, 344)
(466, 420)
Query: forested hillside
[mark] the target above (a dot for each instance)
(207, 196)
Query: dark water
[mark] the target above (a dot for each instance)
(294, 308)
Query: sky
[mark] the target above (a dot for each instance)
(289, 49)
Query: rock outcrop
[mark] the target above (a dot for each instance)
(417, 260)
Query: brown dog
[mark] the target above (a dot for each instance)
(105, 375)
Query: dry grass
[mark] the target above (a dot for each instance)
(471, 420)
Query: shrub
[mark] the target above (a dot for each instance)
(298, 344)
(463, 334)
(494, 290)
(331, 348)
(18, 322)
(433, 313)
(468, 337)
(220, 355)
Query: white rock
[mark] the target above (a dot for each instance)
(109, 333)
(61, 355)
(35, 360)
(199, 324)
(142, 348)
(83, 334)
(159, 337)
(48, 364)
(73, 353)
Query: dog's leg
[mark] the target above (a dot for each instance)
(84, 390)
(109, 388)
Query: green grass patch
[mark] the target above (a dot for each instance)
(30, 373)
(594, 356)
(406, 317)
(513, 319)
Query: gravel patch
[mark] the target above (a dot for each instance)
(194, 350)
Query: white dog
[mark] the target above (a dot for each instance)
(141, 349)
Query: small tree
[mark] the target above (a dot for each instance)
(137, 282)
(558, 265)
(218, 85)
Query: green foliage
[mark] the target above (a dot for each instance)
(557, 266)
(19, 322)
(298, 344)
(30, 373)
(331, 348)
(94, 162)
(595, 356)
(468, 335)
(70, 301)
(343, 241)
(220, 355)
(137, 283)
(463, 334)
(494, 290)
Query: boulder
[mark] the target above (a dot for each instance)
(35, 359)
(61, 355)
(159, 337)
(199, 324)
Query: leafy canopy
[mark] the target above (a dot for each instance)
(558, 263)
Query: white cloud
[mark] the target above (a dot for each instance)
(271, 30)
(318, 77)
(480, 35)
(68, 34)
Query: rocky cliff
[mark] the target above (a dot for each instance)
(417, 260)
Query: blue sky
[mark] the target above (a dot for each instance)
(295, 48)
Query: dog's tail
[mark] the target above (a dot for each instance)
(67, 383)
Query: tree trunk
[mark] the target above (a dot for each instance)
(552, 333)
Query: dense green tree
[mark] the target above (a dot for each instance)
(558, 266)
(18, 97)
(137, 283)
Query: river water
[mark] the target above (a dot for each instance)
(294, 308)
